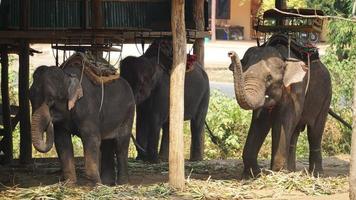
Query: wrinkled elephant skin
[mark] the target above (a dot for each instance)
(63, 106)
(148, 76)
(276, 90)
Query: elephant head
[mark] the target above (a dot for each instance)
(261, 76)
(144, 72)
(52, 94)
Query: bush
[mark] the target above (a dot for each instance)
(229, 124)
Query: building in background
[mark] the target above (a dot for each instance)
(235, 19)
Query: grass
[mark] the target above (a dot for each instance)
(280, 183)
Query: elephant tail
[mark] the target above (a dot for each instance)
(136, 144)
(213, 138)
(338, 118)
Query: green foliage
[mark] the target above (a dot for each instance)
(332, 7)
(228, 123)
(269, 4)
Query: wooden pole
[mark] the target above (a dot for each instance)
(200, 25)
(281, 4)
(24, 74)
(213, 20)
(97, 23)
(352, 179)
(176, 103)
(6, 116)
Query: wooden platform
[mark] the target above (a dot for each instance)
(88, 36)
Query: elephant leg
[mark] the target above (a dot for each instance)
(91, 144)
(314, 138)
(257, 133)
(292, 150)
(197, 126)
(64, 147)
(107, 172)
(152, 142)
(141, 134)
(281, 138)
(197, 138)
(122, 147)
(164, 149)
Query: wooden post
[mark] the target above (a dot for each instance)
(200, 25)
(176, 103)
(24, 74)
(352, 179)
(281, 4)
(85, 14)
(96, 14)
(213, 19)
(6, 116)
(97, 23)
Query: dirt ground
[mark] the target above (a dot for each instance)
(47, 172)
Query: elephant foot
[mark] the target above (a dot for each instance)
(122, 180)
(141, 157)
(72, 180)
(110, 181)
(316, 172)
(251, 172)
(196, 158)
(163, 159)
(152, 159)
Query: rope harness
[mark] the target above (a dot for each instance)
(103, 72)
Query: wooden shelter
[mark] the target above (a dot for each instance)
(99, 23)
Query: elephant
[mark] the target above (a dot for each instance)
(277, 88)
(149, 77)
(65, 102)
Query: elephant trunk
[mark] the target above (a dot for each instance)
(41, 122)
(249, 91)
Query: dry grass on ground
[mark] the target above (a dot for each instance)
(214, 179)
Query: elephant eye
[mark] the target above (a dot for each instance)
(269, 78)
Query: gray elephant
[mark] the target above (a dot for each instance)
(62, 105)
(283, 99)
(148, 76)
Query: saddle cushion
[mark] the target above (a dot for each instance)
(99, 71)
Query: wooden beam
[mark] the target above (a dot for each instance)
(200, 25)
(86, 36)
(213, 20)
(6, 113)
(176, 98)
(352, 179)
(24, 74)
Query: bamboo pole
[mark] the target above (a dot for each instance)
(176, 103)
(352, 179)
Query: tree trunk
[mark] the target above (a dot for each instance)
(176, 102)
(352, 179)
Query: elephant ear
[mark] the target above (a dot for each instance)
(294, 72)
(75, 92)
